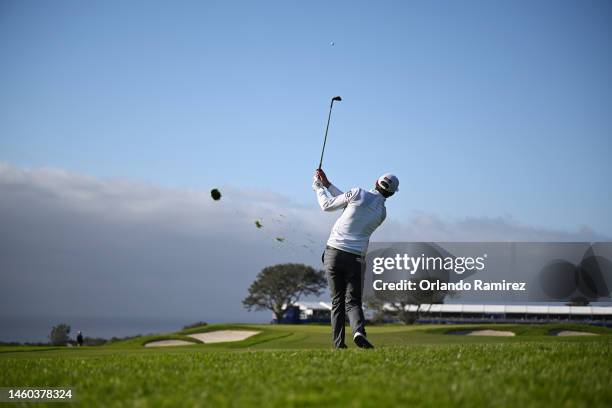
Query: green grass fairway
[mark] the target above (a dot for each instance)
(293, 366)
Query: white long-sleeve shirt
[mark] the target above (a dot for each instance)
(363, 212)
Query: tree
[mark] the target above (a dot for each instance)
(397, 304)
(578, 301)
(279, 286)
(393, 305)
(59, 335)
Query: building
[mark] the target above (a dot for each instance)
(308, 312)
(458, 313)
(320, 312)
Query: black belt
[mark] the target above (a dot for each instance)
(341, 250)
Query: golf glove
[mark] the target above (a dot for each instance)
(317, 184)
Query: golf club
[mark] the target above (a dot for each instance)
(335, 98)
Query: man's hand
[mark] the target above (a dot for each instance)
(320, 175)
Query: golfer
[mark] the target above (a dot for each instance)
(363, 212)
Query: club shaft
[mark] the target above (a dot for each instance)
(326, 129)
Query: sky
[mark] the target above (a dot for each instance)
(118, 117)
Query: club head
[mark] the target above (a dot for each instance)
(336, 98)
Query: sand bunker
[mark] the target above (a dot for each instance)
(222, 336)
(573, 333)
(484, 333)
(168, 343)
(491, 333)
(219, 336)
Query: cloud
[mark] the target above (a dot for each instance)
(75, 245)
(429, 227)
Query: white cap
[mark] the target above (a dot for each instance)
(388, 182)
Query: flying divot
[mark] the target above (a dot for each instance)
(215, 194)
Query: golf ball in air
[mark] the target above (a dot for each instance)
(332, 43)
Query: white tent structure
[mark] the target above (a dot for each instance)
(513, 312)
(318, 311)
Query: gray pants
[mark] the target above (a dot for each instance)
(344, 272)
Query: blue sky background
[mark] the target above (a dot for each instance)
(482, 108)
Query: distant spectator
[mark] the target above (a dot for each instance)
(79, 339)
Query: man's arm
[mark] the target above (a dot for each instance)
(328, 203)
(322, 177)
(338, 199)
(333, 190)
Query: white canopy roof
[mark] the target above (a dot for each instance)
(516, 309)
(493, 309)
